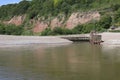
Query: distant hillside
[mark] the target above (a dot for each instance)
(36, 8)
(37, 15)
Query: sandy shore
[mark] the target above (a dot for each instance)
(107, 37)
(111, 38)
(19, 40)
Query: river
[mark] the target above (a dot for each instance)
(77, 61)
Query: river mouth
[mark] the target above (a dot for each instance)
(76, 61)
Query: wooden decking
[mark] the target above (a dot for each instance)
(80, 37)
(93, 39)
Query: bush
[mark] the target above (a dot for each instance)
(61, 31)
(46, 32)
(115, 31)
(56, 31)
(67, 31)
(2, 29)
(78, 29)
(27, 32)
(106, 21)
(11, 29)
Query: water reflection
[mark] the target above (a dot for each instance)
(111, 61)
(78, 61)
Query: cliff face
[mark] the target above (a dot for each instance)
(74, 20)
(81, 18)
(17, 20)
(39, 26)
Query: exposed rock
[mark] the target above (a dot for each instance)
(81, 18)
(74, 20)
(56, 23)
(43, 24)
(17, 20)
(40, 26)
(59, 21)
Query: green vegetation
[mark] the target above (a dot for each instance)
(11, 29)
(80, 29)
(35, 8)
(56, 31)
(115, 31)
(109, 10)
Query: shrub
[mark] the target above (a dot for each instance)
(106, 21)
(27, 32)
(11, 29)
(78, 29)
(46, 32)
(2, 29)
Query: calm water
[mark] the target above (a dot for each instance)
(78, 61)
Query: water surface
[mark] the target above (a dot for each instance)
(77, 61)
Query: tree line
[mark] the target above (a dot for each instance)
(35, 8)
(109, 10)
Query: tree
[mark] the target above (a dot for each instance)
(117, 16)
(106, 21)
(2, 29)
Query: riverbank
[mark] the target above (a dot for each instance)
(111, 38)
(107, 37)
(23, 40)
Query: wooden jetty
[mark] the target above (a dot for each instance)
(93, 38)
(74, 38)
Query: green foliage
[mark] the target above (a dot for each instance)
(106, 21)
(27, 32)
(45, 8)
(67, 31)
(87, 28)
(56, 31)
(115, 7)
(115, 31)
(78, 29)
(47, 31)
(21, 8)
(117, 16)
(99, 26)
(56, 2)
(6, 12)
(2, 29)
(10, 10)
(11, 29)
(35, 8)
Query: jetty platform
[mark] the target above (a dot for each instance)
(93, 39)
(78, 37)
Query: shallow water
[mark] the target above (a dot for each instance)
(77, 61)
